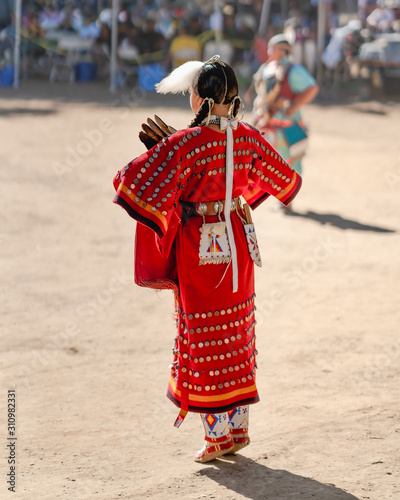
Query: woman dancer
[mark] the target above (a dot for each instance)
(282, 89)
(194, 237)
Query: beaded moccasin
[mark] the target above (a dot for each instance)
(214, 448)
(240, 438)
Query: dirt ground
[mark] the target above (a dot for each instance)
(88, 352)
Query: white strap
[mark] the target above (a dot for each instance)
(228, 201)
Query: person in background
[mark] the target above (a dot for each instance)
(90, 29)
(380, 19)
(184, 47)
(7, 30)
(282, 89)
(245, 25)
(365, 7)
(229, 27)
(196, 26)
(151, 39)
(129, 47)
(6, 13)
(71, 18)
(50, 18)
(32, 35)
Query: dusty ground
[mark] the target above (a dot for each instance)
(88, 352)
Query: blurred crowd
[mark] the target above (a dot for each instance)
(168, 30)
(173, 31)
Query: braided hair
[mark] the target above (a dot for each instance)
(216, 81)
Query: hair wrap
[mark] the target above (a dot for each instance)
(210, 101)
(231, 110)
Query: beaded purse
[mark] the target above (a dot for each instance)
(251, 237)
(214, 245)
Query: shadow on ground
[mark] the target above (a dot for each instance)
(27, 111)
(257, 482)
(92, 92)
(98, 92)
(338, 221)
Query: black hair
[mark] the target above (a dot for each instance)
(217, 81)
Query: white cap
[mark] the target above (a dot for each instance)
(281, 38)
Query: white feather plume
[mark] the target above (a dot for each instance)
(180, 79)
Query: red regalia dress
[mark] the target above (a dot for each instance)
(214, 363)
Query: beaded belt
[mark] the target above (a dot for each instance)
(213, 207)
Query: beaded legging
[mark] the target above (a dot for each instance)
(217, 425)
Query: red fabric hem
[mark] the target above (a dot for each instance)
(214, 409)
(258, 201)
(119, 200)
(292, 194)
